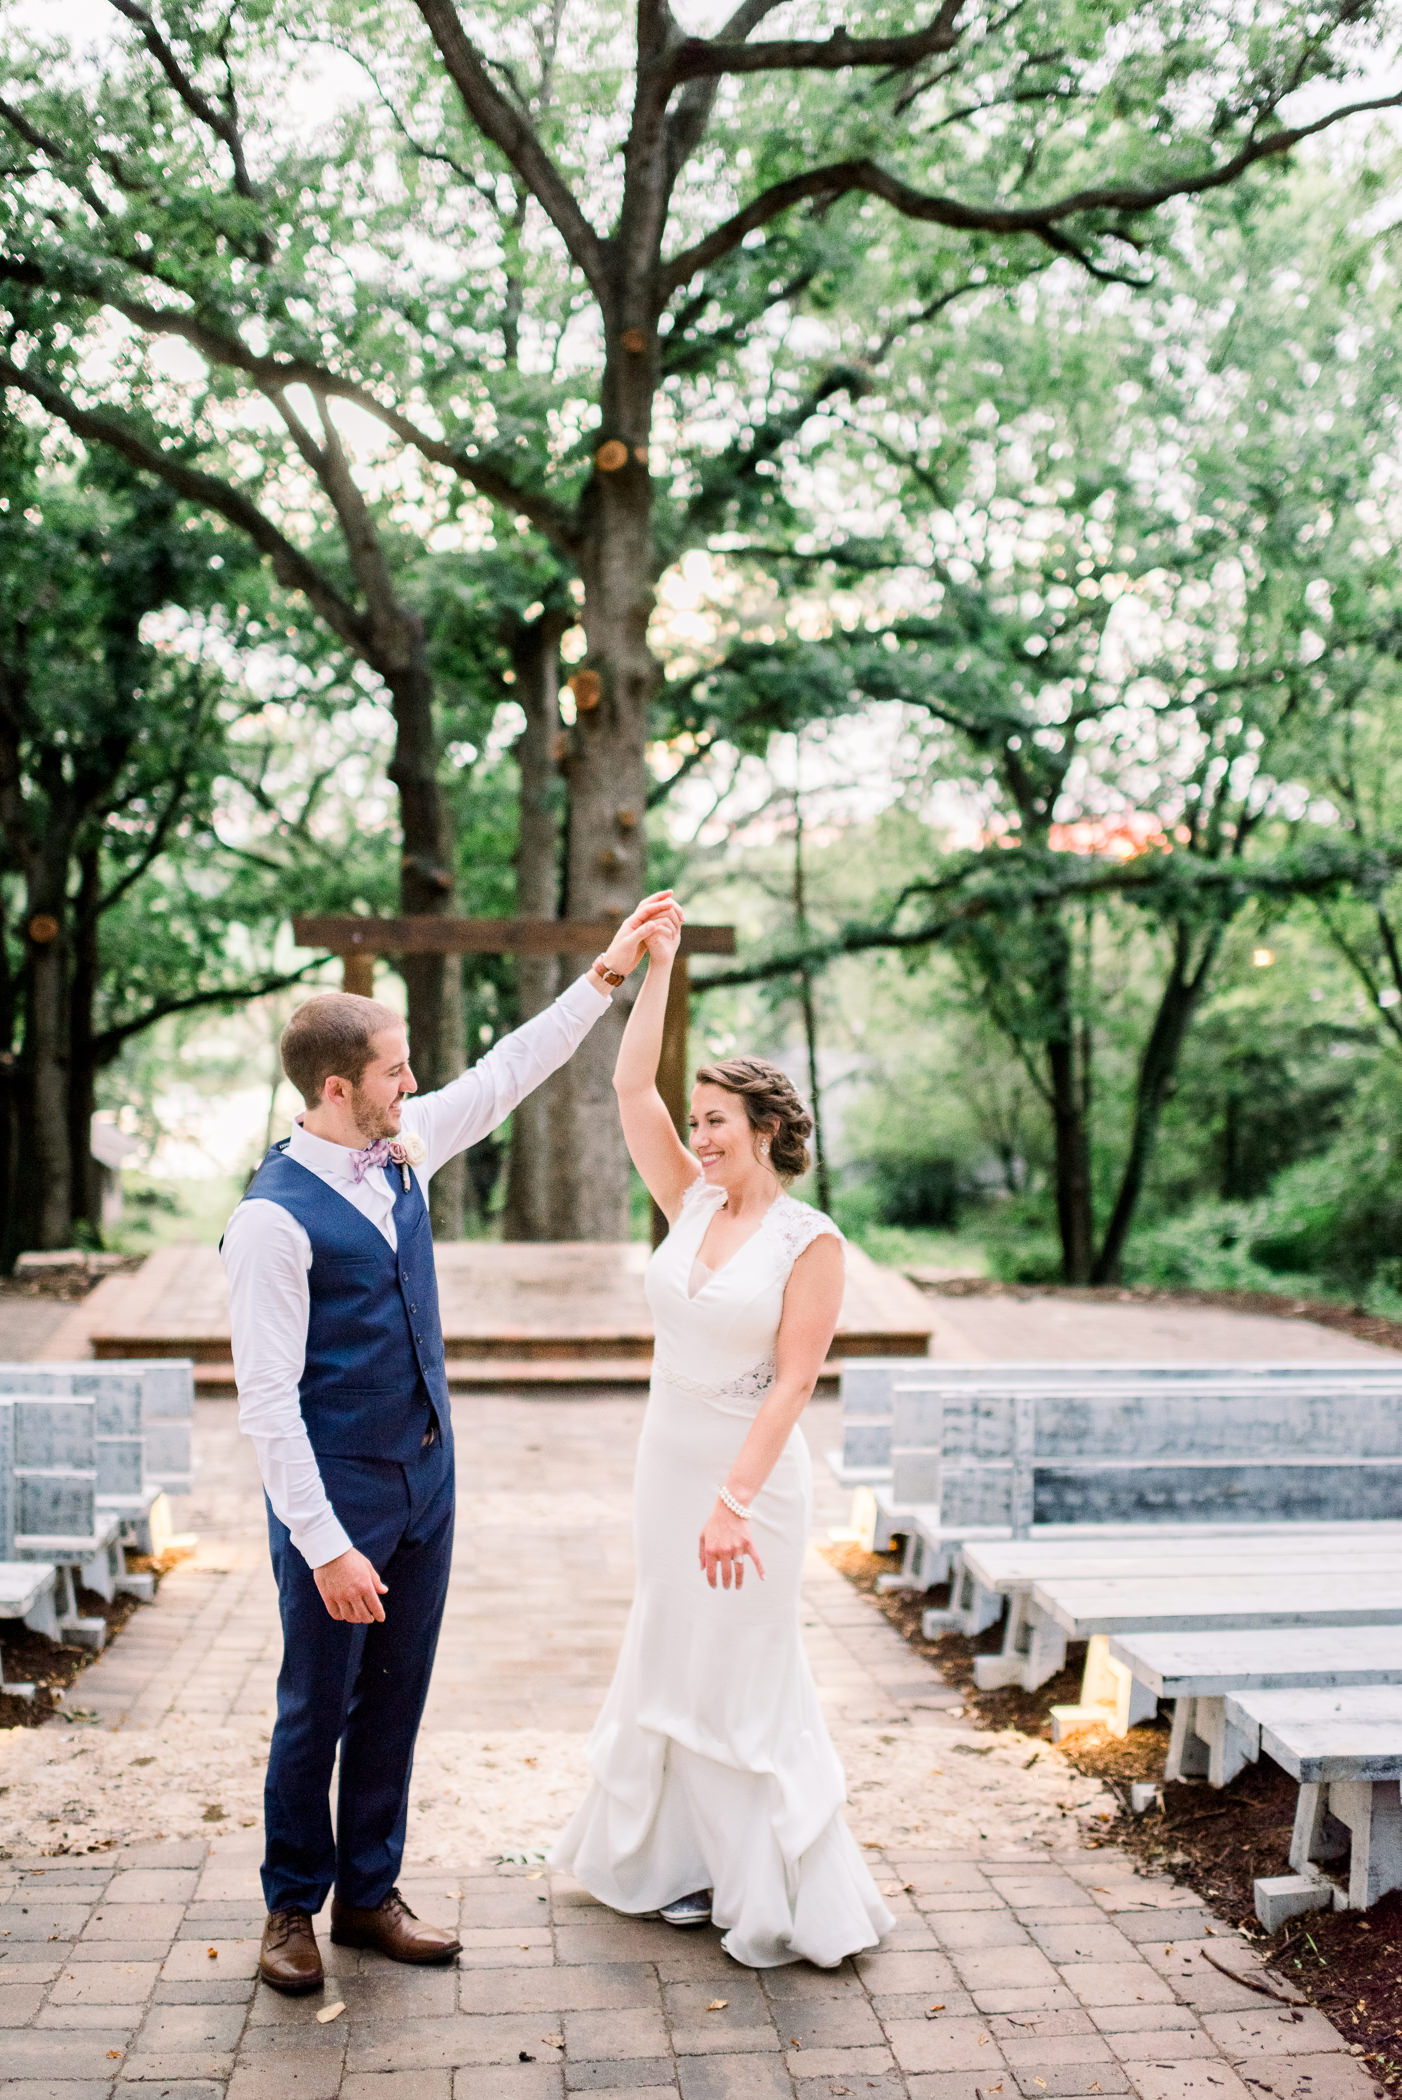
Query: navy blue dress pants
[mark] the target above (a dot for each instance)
(361, 1688)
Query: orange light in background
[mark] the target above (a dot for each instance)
(1263, 957)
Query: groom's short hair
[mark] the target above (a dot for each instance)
(332, 1036)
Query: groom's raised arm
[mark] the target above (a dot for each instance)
(467, 1109)
(458, 1114)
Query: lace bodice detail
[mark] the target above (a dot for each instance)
(719, 1344)
(794, 1225)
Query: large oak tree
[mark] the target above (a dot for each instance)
(556, 262)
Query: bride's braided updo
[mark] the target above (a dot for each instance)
(772, 1107)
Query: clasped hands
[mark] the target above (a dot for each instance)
(655, 924)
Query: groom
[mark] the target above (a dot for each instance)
(338, 1356)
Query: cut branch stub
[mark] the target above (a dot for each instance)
(611, 455)
(43, 928)
(588, 690)
(634, 340)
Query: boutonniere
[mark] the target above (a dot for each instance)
(408, 1151)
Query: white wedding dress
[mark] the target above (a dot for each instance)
(711, 1764)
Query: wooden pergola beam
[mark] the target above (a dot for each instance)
(349, 935)
(359, 940)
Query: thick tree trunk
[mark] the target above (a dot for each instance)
(11, 1190)
(1177, 1005)
(1074, 1197)
(46, 1068)
(426, 879)
(82, 1075)
(530, 1212)
(608, 781)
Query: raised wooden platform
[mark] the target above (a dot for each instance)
(516, 1317)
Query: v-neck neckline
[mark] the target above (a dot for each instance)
(720, 1270)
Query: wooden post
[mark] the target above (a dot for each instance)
(358, 975)
(671, 1066)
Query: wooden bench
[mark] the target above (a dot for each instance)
(998, 1459)
(164, 1393)
(1197, 1671)
(1097, 1609)
(989, 1577)
(868, 1385)
(1344, 1747)
(28, 1589)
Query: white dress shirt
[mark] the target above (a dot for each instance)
(267, 1254)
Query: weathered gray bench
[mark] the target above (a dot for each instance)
(989, 1577)
(995, 1460)
(1344, 1747)
(56, 1513)
(868, 1385)
(164, 1393)
(28, 1590)
(1197, 1671)
(1097, 1609)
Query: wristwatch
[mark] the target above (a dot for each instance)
(610, 977)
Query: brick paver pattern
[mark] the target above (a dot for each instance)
(1024, 1973)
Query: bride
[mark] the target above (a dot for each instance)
(715, 1790)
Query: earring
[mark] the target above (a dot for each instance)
(764, 1148)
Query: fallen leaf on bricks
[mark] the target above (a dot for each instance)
(718, 2005)
(331, 2012)
(553, 2041)
(213, 1953)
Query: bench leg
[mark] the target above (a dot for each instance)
(972, 1608)
(1188, 1754)
(1046, 1650)
(992, 1673)
(1372, 1813)
(1109, 1694)
(1202, 1744)
(100, 1573)
(1318, 1839)
(42, 1616)
(922, 1566)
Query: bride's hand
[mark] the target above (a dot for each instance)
(724, 1543)
(663, 936)
(624, 951)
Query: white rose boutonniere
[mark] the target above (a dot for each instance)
(408, 1151)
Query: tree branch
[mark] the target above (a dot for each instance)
(841, 178)
(1018, 882)
(291, 567)
(700, 58)
(108, 1043)
(274, 374)
(512, 132)
(222, 122)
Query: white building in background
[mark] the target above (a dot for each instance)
(111, 1148)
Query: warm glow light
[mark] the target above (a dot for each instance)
(1263, 957)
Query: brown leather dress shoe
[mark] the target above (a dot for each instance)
(289, 1958)
(392, 1929)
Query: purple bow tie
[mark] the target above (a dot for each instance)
(376, 1155)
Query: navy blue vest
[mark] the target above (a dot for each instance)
(374, 1380)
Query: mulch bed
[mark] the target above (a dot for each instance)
(53, 1666)
(68, 1285)
(1214, 1842)
(1324, 1312)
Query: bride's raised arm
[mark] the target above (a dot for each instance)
(656, 1151)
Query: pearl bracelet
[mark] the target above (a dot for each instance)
(736, 1507)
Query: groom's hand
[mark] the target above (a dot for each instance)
(350, 1588)
(625, 950)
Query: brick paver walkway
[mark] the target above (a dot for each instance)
(1040, 1969)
